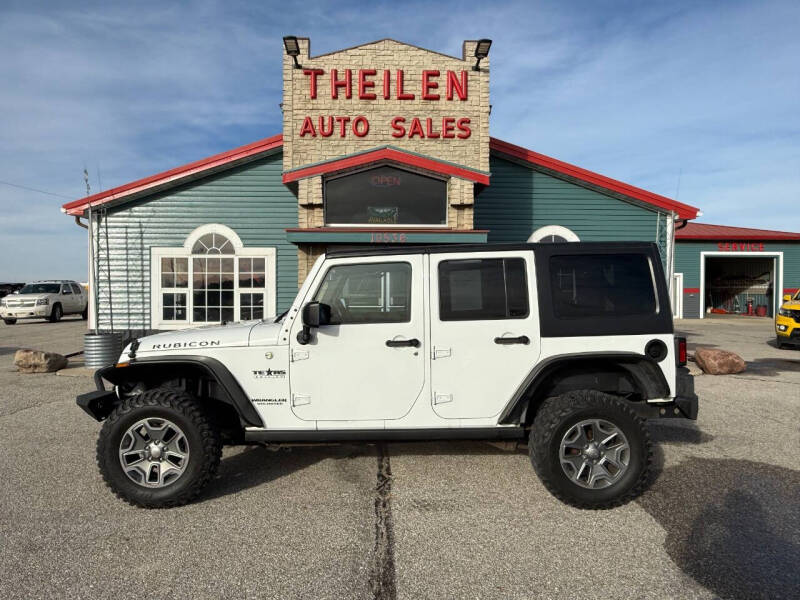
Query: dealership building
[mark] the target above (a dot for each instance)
(383, 143)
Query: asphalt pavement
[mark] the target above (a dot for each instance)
(423, 520)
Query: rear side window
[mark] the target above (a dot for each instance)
(483, 289)
(602, 285)
(75, 288)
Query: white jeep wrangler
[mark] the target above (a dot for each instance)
(569, 346)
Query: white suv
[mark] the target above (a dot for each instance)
(567, 346)
(49, 300)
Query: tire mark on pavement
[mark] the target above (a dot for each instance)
(382, 576)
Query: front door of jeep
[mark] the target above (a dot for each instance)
(484, 331)
(369, 363)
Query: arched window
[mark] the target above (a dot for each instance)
(553, 234)
(213, 278)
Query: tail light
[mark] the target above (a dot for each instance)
(680, 347)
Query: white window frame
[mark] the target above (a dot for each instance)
(558, 230)
(185, 251)
(777, 285)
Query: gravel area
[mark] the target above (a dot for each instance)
(421, 520)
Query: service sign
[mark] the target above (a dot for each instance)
(386, 93)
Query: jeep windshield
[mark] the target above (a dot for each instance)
(41, 288)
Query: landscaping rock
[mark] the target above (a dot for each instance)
(37, 361)
(718, 362)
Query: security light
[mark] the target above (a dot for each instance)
(293, 48)
(481, 52)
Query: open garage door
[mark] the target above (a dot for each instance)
(740, 285)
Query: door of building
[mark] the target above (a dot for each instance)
(484, 331)
(369, 363)
(677, 295)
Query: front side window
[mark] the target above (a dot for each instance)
(483, 289)
(65, 289)
(385, 196)
(602, 285)
(368, 293)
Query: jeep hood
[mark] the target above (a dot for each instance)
(206, 338)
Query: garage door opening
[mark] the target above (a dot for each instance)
(740, 285)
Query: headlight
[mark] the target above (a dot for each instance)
(43, 302)
(784, 312)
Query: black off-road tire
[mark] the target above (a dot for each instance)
(85, 313)
(56, 313)
(205, 447)
(9, 321)
(557, 415)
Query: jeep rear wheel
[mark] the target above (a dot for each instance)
(158, 449)
(590, 449)
(9, 321)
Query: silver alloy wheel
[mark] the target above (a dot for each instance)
(594, 454)
(154, 452)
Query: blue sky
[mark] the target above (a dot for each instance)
(695, 99)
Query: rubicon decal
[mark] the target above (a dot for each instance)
(194, 344)
(269, 373)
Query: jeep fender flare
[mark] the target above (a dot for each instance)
(137, 370)
(643, 371)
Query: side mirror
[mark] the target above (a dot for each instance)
(65, 293)
(787, 297)
(315, 314)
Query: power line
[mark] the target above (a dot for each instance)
(30, 189)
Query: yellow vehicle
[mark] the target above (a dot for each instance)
(787, 321)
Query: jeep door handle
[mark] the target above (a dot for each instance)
(398, 343)
(523, 339)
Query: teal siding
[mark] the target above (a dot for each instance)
(519, 200)
(250, 199)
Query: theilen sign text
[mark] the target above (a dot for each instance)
(366, 84)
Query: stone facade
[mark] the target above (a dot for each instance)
(298, 151)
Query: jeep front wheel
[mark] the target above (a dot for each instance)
(158, 449)
(590, 449)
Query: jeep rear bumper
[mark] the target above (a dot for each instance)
(683, 406)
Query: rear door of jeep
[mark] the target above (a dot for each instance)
(484, 330)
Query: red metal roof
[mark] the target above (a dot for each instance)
(705, 231)
(684, 211)
(179, 174)
(387, 153)
(77, 207)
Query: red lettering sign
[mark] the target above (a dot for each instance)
(455, 84)
(410, 127)
(740, 246)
